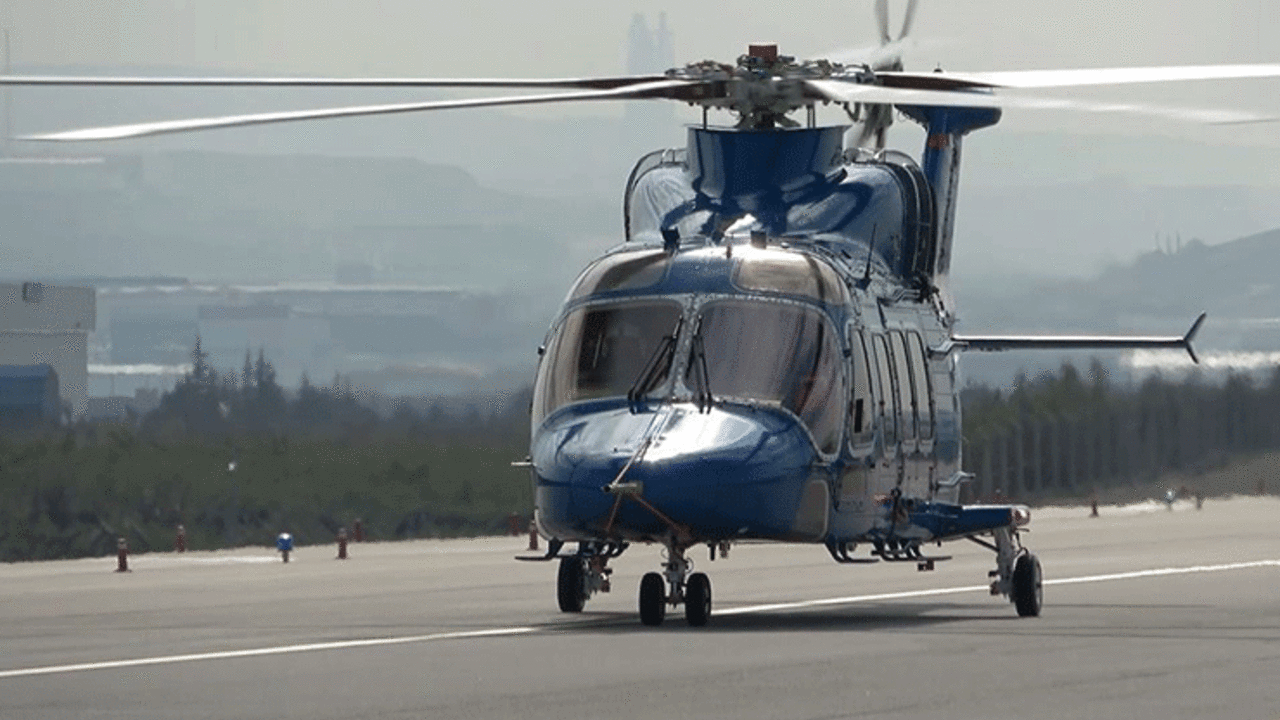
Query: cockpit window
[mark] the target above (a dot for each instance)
(777, 353)
(789, 273)
(622, 271)
(600, 351)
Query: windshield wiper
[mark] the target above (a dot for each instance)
(657, 367)
(698, 369)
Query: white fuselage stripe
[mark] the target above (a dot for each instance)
(511, 631)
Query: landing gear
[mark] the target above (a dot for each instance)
(675, 586)
(1028, 586)
(585, 574)
(1017, 574)
(571, 586)
(697, 600)
(653, 599)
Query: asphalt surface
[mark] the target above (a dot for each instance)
(1148, 614)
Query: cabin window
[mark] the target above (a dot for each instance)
(600, 351)
(886, 392)
(861, 408)
(777, 353)
(906, 394)
(788, 273)
(924, 398)
(622, 271)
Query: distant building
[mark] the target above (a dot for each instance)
(123, 407)
(29, 394)
(49, 325)
(649, 51)
(392, 337)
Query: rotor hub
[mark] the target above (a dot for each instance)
(763, 86)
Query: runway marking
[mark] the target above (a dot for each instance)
(855, 599)
(528, 630)
(1165, 571)
(259, 652)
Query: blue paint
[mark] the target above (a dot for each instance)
(740, 470)
(735, 471)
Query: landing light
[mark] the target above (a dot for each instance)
(1021, 515)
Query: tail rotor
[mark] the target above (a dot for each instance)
(876, 119)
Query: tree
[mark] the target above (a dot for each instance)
(196, 402)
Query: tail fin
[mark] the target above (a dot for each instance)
(944, 128)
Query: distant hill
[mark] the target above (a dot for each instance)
(210, 215)
(1160, 292)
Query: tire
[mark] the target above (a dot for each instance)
(569, 585)
(697, 600)
(653, 599)
(1028, 587)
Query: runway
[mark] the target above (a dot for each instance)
(1148, 614)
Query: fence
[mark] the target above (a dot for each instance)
(1118, 438)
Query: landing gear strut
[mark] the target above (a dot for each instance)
(1017, 575)
(584, 574)
(673, 587)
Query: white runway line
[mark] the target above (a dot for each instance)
(1165, 571)
(512, 631)
(855, 599)
(259, 652)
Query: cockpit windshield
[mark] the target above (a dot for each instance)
(776, 353)
(601, 351)
(622, 271)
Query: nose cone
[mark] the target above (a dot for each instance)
(734, 471)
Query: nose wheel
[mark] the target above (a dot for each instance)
(653, 599)
(673, 587)
(697, 600)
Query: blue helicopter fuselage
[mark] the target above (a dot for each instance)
(754, 362)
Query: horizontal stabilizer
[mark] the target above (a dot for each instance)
(994, 343)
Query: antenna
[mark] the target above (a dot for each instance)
(871, 246)
(8, 93)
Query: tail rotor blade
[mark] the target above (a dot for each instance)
(882, 21)
(907, 19)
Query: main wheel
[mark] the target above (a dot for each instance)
(570, 585)
(697, 600)
(1028, 585)
(653, 599)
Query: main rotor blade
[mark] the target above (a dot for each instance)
(838, 91)
(842, 92)
(662, 89)
(1077, 78)
(600, 83)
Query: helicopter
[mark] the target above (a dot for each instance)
(770, 354)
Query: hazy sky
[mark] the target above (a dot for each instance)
(585, 36)
(579, 37)
(588, 37)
